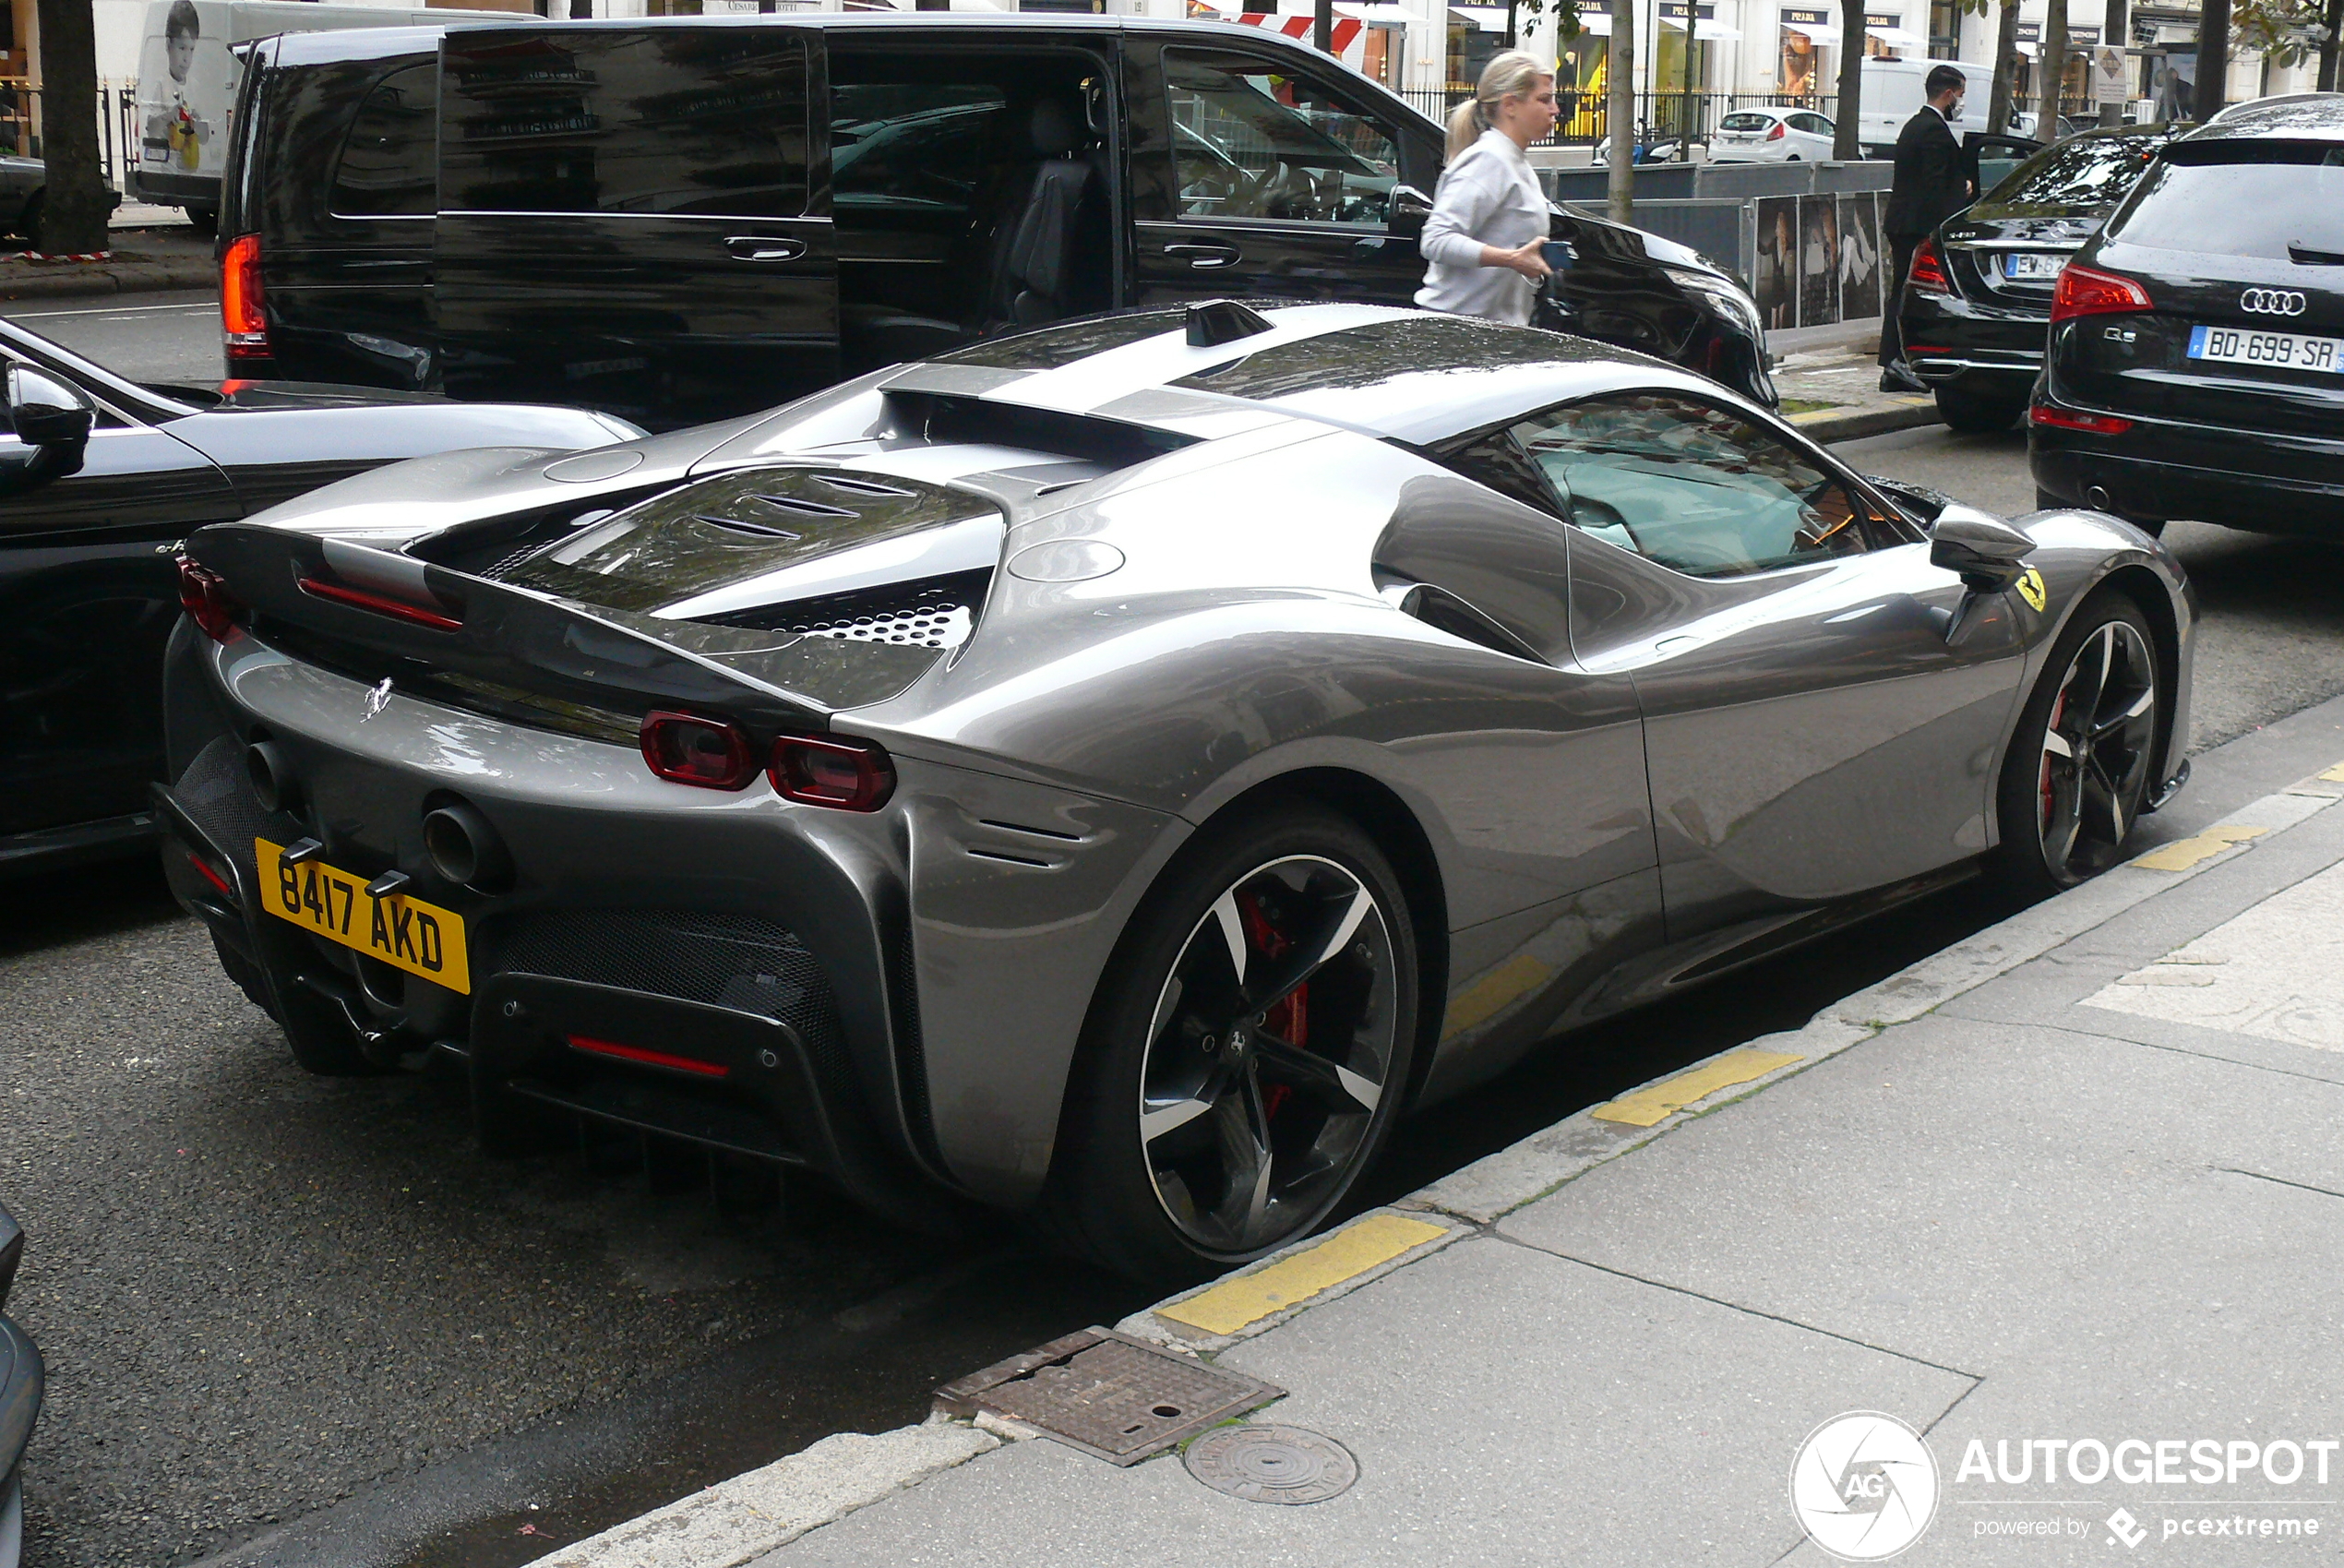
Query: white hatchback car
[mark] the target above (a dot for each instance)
(1771, 136)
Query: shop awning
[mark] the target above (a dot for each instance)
(1896, 37)
(1483, 19)
(1597, 22)
(1824, 36)
(1705, 28)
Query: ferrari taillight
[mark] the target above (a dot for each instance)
(689, 749)
(244, 325)
(1928, 276)
(847, 776)
(2084, 290)
(203, 593)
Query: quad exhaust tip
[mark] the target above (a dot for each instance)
(273, 781)
(464, 849)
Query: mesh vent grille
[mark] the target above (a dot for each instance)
(939, 612)
(921, 626)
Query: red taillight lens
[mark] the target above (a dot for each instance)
(2081, 291)
(1776, 133)
(243, 326)
(850, 775)
(2076, 419)
(593, 1046)
(688, 750)
(203, 593)
(1928, 275)
(381, 605)
(204, 871)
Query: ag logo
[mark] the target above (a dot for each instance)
(2031, 588)
(1863, 1486)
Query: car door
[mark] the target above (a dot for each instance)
(1823, 711)
(636, 220)
(1815, 134)
(89, 592)
(1254, 174)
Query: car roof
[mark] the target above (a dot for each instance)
(2305, 116)
(1416, 376)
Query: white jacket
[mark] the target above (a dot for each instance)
(1488, 196)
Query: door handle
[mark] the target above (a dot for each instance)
(1204, 256)
(764, 247)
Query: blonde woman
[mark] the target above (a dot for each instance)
(1485, 239)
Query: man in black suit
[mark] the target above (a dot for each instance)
(1930, 188)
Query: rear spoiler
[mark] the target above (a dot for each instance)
(370, 612)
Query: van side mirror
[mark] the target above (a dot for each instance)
(1989, 552)
(51, 420)
(1408, 210)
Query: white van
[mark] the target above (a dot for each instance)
(1893, 94)
(188, 75)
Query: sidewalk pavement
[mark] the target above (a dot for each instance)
(2072, 1181)
(163, 255)
(1830, 385)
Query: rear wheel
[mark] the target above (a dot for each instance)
(1246, 1053)
(1975, 414)
(2079, 763)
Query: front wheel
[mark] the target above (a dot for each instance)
(2079, 762)
(1246, 1055)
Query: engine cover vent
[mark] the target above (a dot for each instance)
(935, 612)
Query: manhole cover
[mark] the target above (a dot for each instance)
(1273, 1464)
(1115, 1397)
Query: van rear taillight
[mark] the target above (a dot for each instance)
(244, 325)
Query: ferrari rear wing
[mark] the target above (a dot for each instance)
(372, 613)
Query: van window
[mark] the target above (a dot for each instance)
(917, 146)
(707, 122)
(386, 165)
(1250, 140)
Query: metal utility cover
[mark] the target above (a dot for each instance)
(1114, 1397)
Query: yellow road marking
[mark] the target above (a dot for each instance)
(1349, 1252)
(2335, 775)
(2183, 853)
(1646, 1108)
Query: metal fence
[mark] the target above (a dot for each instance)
(117, 124)
(1585, 120)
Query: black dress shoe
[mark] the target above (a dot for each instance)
(1899, 377)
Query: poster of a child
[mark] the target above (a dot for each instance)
(175, 135)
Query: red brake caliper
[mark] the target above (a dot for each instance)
(1289, 1017)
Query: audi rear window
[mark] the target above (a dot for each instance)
(2275, 201)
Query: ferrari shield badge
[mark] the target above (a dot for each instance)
(2030, 587)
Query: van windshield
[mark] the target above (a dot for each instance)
(2238, 198)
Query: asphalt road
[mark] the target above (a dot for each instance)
(297, 1320)
(156, 337)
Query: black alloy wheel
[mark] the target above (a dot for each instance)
(2080, 762)
(1247, 1054)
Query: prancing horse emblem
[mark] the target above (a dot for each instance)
(378, 700)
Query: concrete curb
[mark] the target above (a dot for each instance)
(1848, 424)
(64, 280)
(736, 1522)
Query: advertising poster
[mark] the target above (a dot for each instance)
(1818, 261)
(1858, 255)
(1777, 266)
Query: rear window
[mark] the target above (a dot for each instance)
(1745, 122)
(2275, 201)
(389, 164)
(2086, 171)
(700, 121)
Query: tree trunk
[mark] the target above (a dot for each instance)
(1619, 112)
(2115, 32)
(2005, 70)
(2047, 125)
(2213, 58)
(73, 200)
(1323, 26)
(1847, 143)
(2327, 47)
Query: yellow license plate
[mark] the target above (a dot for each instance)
(404, 932)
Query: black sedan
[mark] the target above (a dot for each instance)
(20, 1400)
(99, 479)
(2195, 367)
(1979, 298)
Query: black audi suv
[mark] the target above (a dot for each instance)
(2196, 366)
(1979, 298)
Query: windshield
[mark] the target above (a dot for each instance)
(2086, 171)
(2266, 209)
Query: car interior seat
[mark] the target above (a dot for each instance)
(1039, 243)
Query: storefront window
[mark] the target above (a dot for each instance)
(1802, 73)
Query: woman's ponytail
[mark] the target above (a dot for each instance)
(1511, 74)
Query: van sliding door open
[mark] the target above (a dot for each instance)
(634, 218)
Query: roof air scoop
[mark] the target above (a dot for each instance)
(1216, 321)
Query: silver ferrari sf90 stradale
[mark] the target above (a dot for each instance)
(1117, 771)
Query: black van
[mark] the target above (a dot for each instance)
(681, 219)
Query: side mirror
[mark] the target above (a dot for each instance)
(45, 412)
(1409, 208)
(1989, 552)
